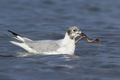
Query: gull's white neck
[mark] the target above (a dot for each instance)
(67, 45)
(67, 40)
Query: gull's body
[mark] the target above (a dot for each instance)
(50, 47)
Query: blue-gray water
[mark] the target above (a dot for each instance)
(49, 19)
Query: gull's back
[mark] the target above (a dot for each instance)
(43, 45)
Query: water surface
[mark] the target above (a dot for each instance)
(49, 19)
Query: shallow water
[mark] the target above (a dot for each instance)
(49, 19)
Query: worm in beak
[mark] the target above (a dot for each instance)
(84, 36)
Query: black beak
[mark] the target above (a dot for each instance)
(82, 34)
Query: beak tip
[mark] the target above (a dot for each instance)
(82, 34)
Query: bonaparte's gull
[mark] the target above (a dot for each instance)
(50, 47)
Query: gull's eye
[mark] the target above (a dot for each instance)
(74, 30)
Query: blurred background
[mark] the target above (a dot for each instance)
(49, 19)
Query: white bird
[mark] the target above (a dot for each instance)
(50, 47)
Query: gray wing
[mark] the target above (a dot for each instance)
(43, 45)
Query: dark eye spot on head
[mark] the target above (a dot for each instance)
(69, 32)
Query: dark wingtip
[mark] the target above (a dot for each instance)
(9, 31)
(13, 33)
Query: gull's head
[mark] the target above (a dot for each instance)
(73, 32)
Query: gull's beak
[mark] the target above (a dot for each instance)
(82, 34)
